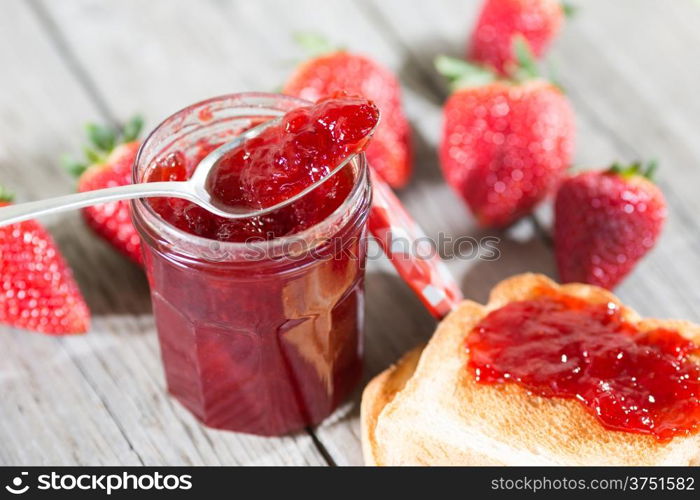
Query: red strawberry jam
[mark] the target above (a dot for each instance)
(643, 381)
(283, 160)
(264, 343)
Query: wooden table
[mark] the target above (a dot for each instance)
(631, 68)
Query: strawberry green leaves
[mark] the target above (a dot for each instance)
(647, 170)
(6, 195)
(526, 67)
(462, 74)
(101, 138)
(132, 129)
(102, 141)
(569, 9)
(314, 44)
(73, 167)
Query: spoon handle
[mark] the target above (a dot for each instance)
(24, 211)
(404, 242)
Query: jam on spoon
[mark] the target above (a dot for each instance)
(642, 381)
(307, 144)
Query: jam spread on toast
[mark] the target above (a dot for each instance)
(642, 381)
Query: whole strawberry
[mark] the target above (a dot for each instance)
(37, 290)
(505, 143)
(333, 70)
(501, 21)
(605, 222)
(110, 157)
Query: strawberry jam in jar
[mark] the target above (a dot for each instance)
(259, 320)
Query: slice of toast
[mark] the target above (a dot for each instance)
(428, 410)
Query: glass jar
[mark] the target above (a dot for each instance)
(262, 337)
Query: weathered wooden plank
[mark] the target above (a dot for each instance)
(99, 398)
(169, 60)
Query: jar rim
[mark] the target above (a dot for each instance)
(144, 214)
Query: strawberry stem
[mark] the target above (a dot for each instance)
(526, 67)
(462, 74)
(314, 44)
(6, 195)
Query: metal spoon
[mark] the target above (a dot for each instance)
(193, 190)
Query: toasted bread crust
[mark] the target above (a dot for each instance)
(428, 410)
(378, 393)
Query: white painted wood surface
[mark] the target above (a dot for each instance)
(630, 67)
